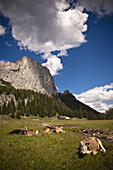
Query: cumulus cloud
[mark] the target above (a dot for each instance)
(53, 64)
(51, 25)
(45, 26)
(62, 53)
(2, 30)
(100, 7)
(97, 97)
(2, 61)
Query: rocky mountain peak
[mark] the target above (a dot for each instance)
(27, 73)
(67, 92)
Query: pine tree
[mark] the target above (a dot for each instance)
(18, 115)
(80, 115)
(85, 114)
(9, 107)
(12, 106)
(18, 105)
(0, 109)
(4, 109)
(22, 110)
(12, 115)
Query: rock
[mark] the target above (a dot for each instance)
(7, 98)
(27, 73)
(106, 134)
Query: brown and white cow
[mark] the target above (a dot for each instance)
(47, 130)
(29, 132)
(91, 145)
(59, 129)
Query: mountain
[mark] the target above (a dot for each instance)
(21, 102)
(27, 73)
(70, 101)
(20, 84)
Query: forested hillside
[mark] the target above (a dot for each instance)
(20, 102)
(74, 104)
(29, 103)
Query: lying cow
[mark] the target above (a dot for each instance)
(50, 129)
(22, 131)
(29, 132)
(32, 132)
(59, 130)
(47, 130)
(25, 131)
(91, 145)
(17, 132)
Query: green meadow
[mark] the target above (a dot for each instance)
(50, 151)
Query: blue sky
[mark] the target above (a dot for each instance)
(75, 42)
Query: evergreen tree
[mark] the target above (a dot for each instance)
(23, 102)
(18, 105)
(4, 109)
(18, 115)
(80, 114)
(12, 106)
(91, 116)
(85, 114)
(109, 114)
(9, 107)
(22, 110)
(12, 115)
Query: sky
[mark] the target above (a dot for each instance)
(72, 38)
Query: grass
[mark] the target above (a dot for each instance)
(50, 152)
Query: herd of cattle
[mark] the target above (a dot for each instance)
(86, 146)
(28, 132)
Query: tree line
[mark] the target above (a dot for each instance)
(33, 103)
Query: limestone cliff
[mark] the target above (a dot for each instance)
(27, 73)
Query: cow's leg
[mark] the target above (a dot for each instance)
(101, 146)
(88, 152)
(94, 152)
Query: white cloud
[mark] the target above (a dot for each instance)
(97, 97)
(100, 7)
(53, 64)
(2, 61)
(62, 53)
(45, 26)
(8, 44)
(2, 30)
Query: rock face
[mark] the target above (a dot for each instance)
(6, 99)
(27, 73)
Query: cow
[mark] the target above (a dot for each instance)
(58, 129)
(29, 132)
(32, 132)
(25, 131)
(47, 130)
(17, 132)
(90, 145)
(22, 131)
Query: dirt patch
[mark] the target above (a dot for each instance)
(103, 134)
(59, 125)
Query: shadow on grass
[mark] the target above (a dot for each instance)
(79, 154)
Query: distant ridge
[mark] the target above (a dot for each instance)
(27, 73)
(70, 101)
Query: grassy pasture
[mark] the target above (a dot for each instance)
(50, 152)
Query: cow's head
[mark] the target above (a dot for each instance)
(24, 130)
(83, 148)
